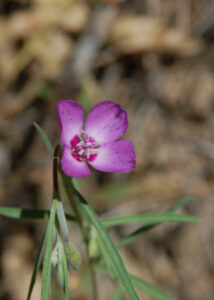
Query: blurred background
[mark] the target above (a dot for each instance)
(156, 59)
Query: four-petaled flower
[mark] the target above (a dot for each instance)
(96, 144)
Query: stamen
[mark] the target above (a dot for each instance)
(81, 151)
(85, 149)
(80, 143)
(88, 153)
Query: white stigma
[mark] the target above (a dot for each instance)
(81, 151)
(81, 143)
(88, 153)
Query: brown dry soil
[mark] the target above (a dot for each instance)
(156, 59)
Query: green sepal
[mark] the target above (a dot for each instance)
(54, 257)
(73, 255)
(60, 271)
(93, 247)
(62, 221)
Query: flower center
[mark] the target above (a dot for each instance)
(84, 149)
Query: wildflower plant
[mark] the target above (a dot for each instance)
(96, 144)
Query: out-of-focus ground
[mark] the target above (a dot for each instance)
(155, 58)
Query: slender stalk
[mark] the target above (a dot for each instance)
(75, 209)
(55, 172)
(84, 233)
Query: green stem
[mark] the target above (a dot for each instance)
(55, 172)
(84, 233)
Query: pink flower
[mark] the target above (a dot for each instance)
(96, 144)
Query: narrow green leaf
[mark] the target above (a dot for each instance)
(67, 184)
(132, 236)
(60, 271)
(62, 221)
(118, 293)
(47, 260)
(57, 259)
(21, 213)
(45, 139)
(116, 260)
(66, 275)
(75, 183)
(106, 258)
(150, 218)
(182, 202)
(145, 286)
(36, 266)
(149, 289)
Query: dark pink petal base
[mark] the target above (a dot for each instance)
(71, 166)
(84, 149)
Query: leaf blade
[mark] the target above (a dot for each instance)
(150, 289)
(47, 260)
(21, 213)
(182, 202)
(116, 259)
(45, 139)
(36, 266)
(106, 258)
(146, 287)
(132, 236)
(66, 274)
(152, 218)
(118, 295)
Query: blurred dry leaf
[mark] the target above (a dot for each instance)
(16, 267)
(75, 17)
(135, 34)
(52, 51)
(40, 31)
(181, 78)
(13, 106)
(71, 15)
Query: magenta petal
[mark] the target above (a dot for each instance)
(106, 122)
(115, 157)
(71, 119)
(71, 166)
